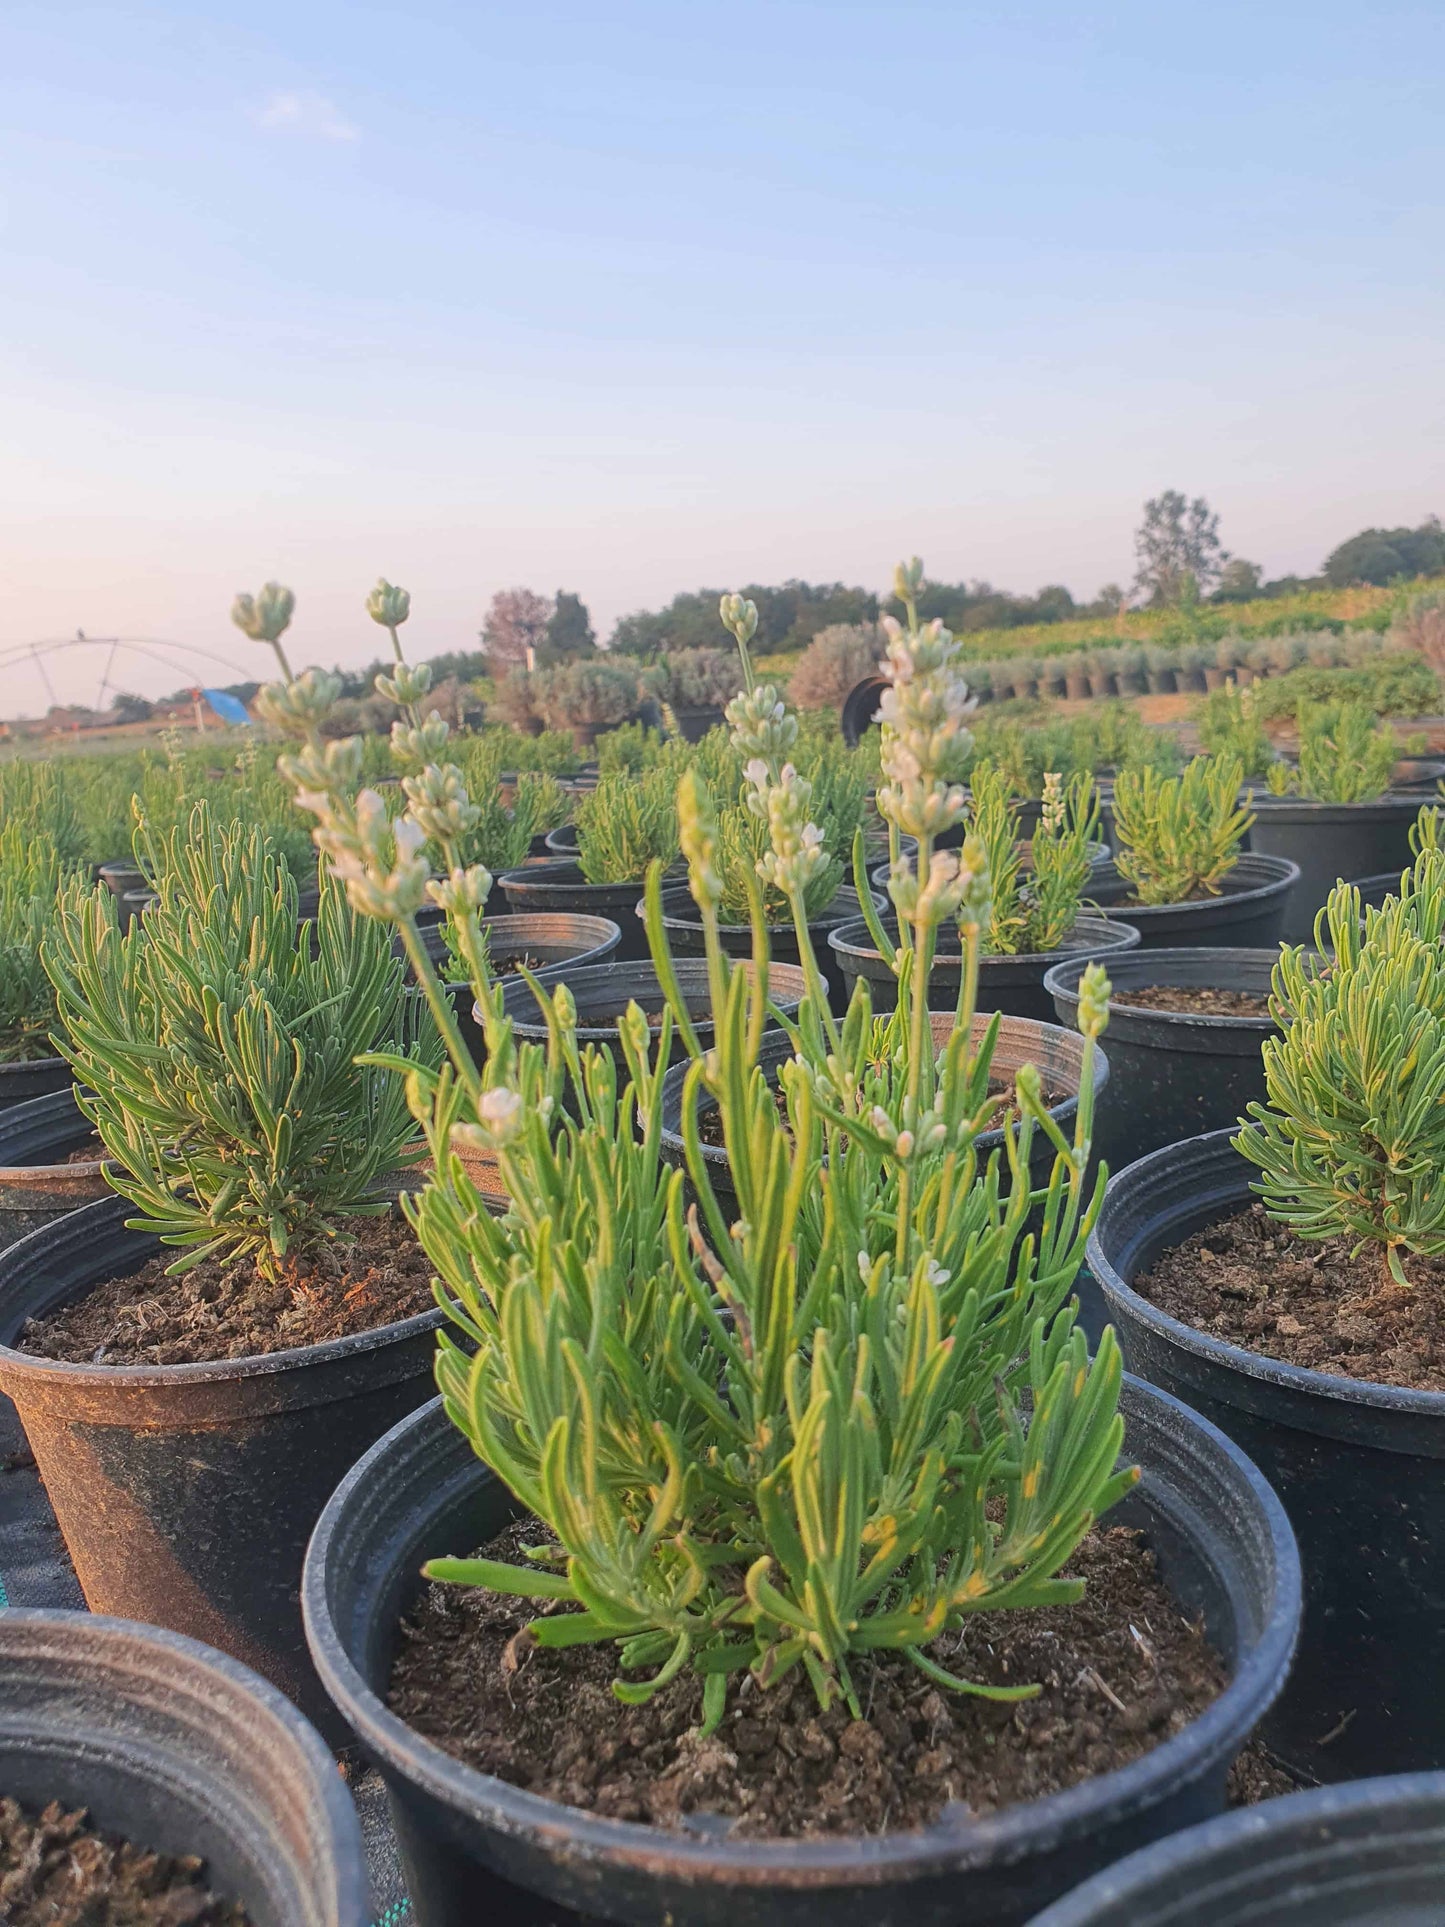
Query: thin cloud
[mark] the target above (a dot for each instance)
(308, 113)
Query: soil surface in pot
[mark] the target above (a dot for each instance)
(1121, 1671)
(374, 1274)
(1199, 1000)
(710, 1124)
(57, 1871)
(1253, 1283)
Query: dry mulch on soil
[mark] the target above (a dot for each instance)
(1253, 1283)
(1198, 1000)
(374, 1274)
(57, 1871)
(1122, 1671)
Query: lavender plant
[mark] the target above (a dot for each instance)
(31, 874)
(217, 1056)
(1349, 1138)
(1344, 756)
(1033, 908)
(625, 824)
(1179, 836)
(856, 1413)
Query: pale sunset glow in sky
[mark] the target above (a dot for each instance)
(642, 297)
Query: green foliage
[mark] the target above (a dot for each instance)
(569, 631)
(1230, 725)
(632, 747)
(840, 780)
(1110, 737)
(216, 1053)
(1382, 555)
(503, 836)
(39, 801)
(586, 694)
(1179, 836)
(1034, 908)
(31, 873)
(1343, 756)
(696, 678)
(1395, 683)
(626, 823)
(1351, 1136)
(849, 1414)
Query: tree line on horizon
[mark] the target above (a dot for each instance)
(1178, 551)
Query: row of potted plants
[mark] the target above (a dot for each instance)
(779, 1445)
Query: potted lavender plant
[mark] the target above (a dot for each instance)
(710, 1479)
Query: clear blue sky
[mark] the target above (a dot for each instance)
(629, 298)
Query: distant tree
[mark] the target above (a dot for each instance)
(1111, 600)
(516, 622)
(127, 708)
(1380, 555)
(1239, 581)
(788, 618)
(1177, 538)
(1054, 604)
(569, 631)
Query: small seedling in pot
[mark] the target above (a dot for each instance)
(1179, 836)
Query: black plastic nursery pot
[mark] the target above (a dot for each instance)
(40, 1077)
(1367, 1854)
(1058, 1054)
(1360, 1468)
(36, 1184)
(1374, 890)
(1250, 912)
(1014, 985)
(1329, 841)
(681, 921)
(694, 720)
(475, 1847)
(562, 842)
(603, 991)
(559, 885)
(1098, 857)
(185, 1493)
(553, 941)
(178, 1748)
(1176, 1072)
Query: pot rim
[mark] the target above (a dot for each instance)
(869, 1859)
(1286, 1822)
(533, 1026)
(1057, 987)
(1394, 802)
(679, 893)
(122, 1657)
(1283, 871)
(1063, 1113)
(101, 1217)
(1219, 1351)
(1105, 933)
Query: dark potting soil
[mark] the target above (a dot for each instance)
(1121, 1671)
(1132, 902)
(1253, 1283)
(373, 1274)
(57, 1871)
(1200, 1000)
